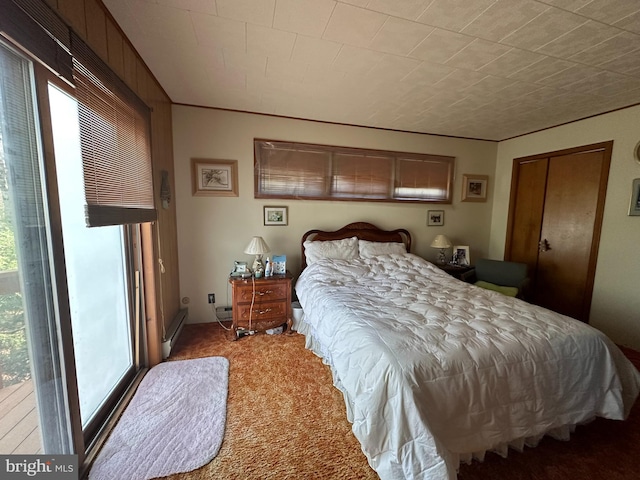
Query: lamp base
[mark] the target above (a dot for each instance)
(442, 258)
(258, 267)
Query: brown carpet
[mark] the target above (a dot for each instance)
(285, 420)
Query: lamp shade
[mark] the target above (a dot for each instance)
(441, 241)
(257, 246)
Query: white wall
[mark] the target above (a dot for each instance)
(213, 231)
(615, 307)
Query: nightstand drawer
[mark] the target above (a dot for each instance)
(264, 292)
(262, 311)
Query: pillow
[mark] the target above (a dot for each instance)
(345, 249)
(373, 249)
(508, 291)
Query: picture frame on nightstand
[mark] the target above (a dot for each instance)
(461, 255)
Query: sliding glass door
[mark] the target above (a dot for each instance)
(34, 397)
(100, 276)
(71, 328)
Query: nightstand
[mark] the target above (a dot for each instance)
(456, 271)
(260, 303)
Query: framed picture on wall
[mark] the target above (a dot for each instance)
(634, 205)
(435, 218)
(276, 216)
(474, 188)
(214, 177)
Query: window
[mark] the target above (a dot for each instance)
(297, 170)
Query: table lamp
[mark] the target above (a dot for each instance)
(441, 242)
(258, 247)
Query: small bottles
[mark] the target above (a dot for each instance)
(268, 269)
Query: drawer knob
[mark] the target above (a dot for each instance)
(266, 292)
(262, 312)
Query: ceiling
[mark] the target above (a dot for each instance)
(486, 69)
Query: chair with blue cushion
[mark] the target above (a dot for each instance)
(508, 278)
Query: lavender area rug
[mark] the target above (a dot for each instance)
(174, 423)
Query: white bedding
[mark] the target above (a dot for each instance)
(435, 371)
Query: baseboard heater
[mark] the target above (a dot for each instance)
(172, 333)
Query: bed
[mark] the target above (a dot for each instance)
(435, 371)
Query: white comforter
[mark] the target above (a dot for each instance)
(435, 370)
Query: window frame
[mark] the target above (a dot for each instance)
(337, 152)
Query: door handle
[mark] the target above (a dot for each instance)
(543, 245)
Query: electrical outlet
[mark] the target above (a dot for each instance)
(212, 298)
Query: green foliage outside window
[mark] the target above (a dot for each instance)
(14, 355)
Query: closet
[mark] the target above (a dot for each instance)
(555, 216)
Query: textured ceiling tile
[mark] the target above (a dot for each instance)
(511, 62)
(545, 27)
(503, 18)
(353, 26)
(579, 39)
(614, 47)
(459, 79)
(308, 17)
(201, 6)
(440, 46)
(399, 36)
(428, 74)
(392, 68)
(453, 14)
(409, 9)
(356, 61)
(259, 12)
(628, 64)
(219, 32)
(269, 42)
(279, 68)
(609, 11)
(486, 86)
(569, 76)
(542, 69)
(316, 51)
(630, 23)
(571, 5)
(477, 54)
(243, 62)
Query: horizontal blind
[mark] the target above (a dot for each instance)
(361, 176)
(38, 29)
(424, 178)
(114, 135)
(285, 170)
(325, 172)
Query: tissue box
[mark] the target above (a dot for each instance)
(279, 264)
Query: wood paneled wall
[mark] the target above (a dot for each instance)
(92, 21)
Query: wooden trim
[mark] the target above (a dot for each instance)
(152, 317)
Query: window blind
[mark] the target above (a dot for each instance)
(114, 137)
(323, 172)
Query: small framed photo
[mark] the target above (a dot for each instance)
(435, 218)
(634, 205)
(276, 216)
(214, 177)
(474, 188)
(461, 255)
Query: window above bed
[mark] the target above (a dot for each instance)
(323, 172)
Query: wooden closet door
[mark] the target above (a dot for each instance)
(567, 234)
(527, 200)
(555, 216)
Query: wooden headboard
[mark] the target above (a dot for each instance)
(362, 230)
